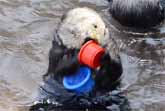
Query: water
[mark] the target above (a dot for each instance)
(26, 29)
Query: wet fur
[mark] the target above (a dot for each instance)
(63, 61)
(137, 13)
(63, 58)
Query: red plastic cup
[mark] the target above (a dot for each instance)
(90, 54)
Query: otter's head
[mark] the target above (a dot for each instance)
(80, 23)
(137, 13)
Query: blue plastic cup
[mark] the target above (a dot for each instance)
(80, 82)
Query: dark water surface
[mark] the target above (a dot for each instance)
(26, 29)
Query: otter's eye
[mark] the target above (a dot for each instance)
(95, 26)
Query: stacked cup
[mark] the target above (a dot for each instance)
(82, 81)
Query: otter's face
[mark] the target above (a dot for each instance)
(80, 23)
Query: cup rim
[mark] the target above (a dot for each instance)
(75, 86)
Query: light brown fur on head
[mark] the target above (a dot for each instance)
(80, 23)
